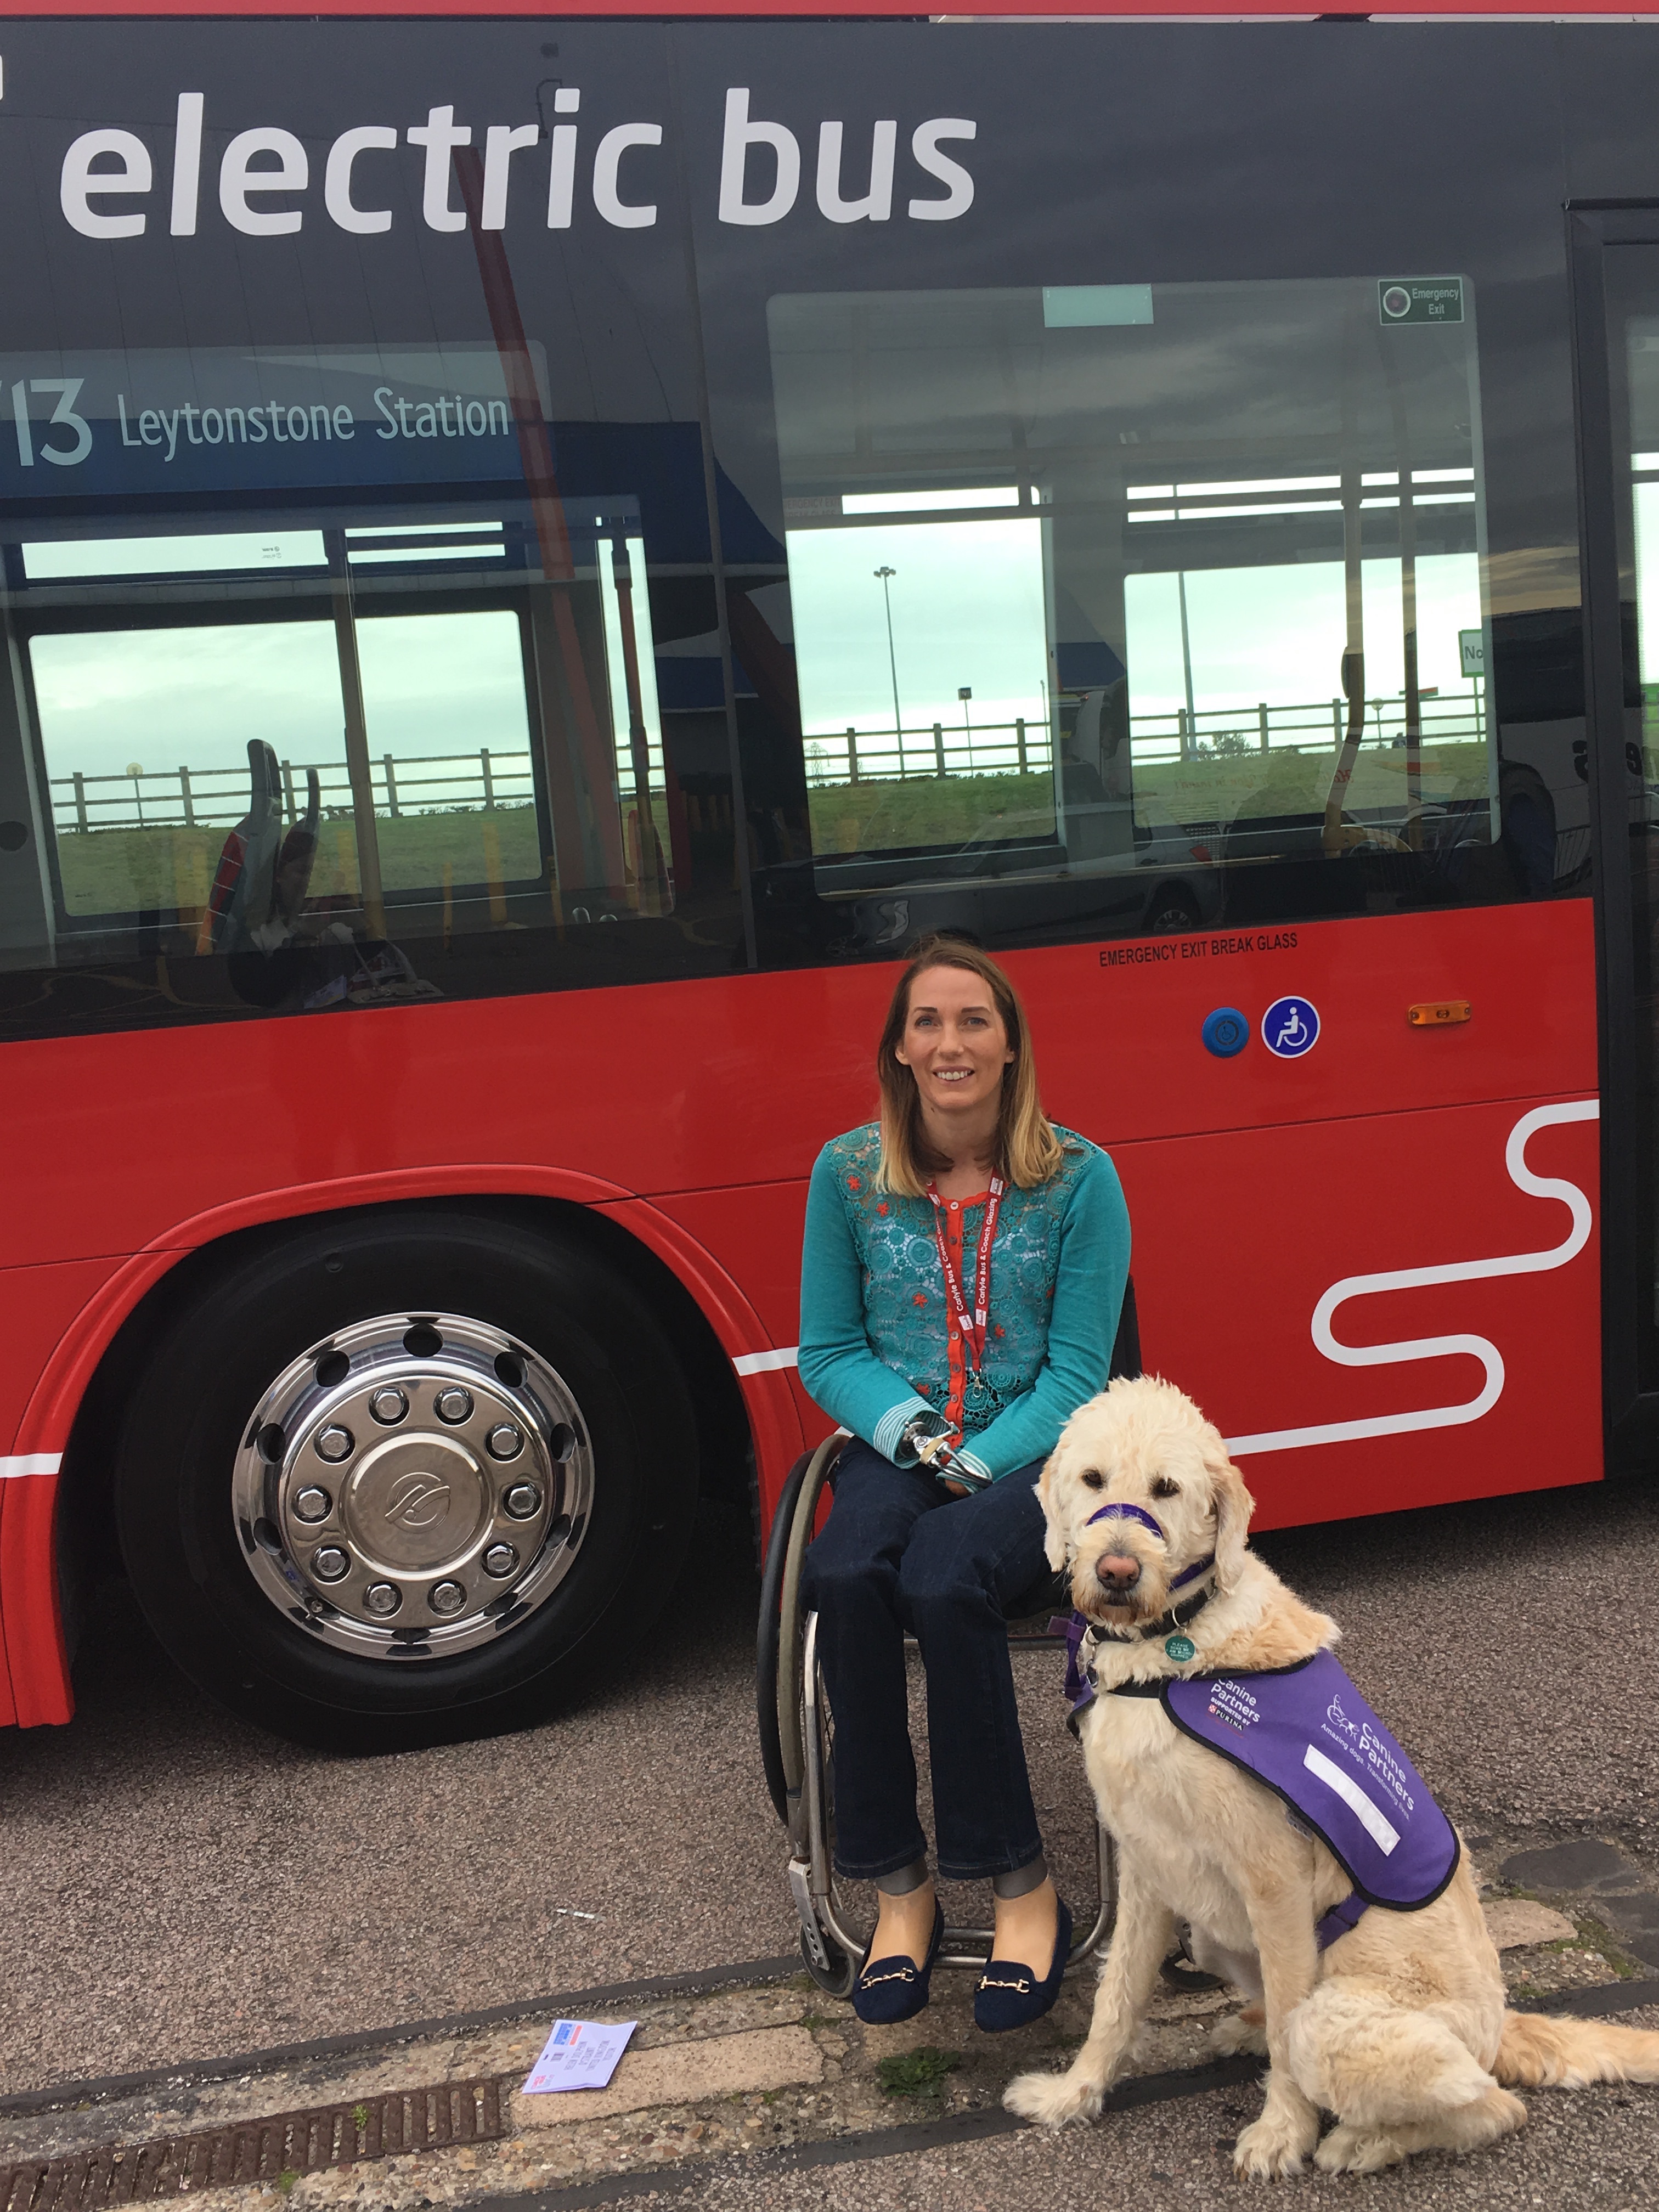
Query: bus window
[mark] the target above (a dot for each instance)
(1133, 606)
(962, 760)
(145, 735)
(316, 749)
(444, 703)
(1626, 621)
(345, 670)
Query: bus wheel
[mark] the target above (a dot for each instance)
(383, 1476)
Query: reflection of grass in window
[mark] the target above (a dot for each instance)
(1651, 730)
(132, 870)
(414, 848)
(1251, 785)
(877, 818)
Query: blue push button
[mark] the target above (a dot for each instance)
(1225, 1032)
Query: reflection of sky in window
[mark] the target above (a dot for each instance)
(1647, 579)
(1278, 633)
(443, 683)
(175, 554)
(432, 684)
(967, 609)
(165, 697)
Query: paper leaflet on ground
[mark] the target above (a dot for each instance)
(579, 2054)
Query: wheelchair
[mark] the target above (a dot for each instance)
(797, 1728)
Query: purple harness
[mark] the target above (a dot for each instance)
(1306, 1732)
(1309, 1735)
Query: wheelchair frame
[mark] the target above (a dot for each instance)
(795, 1732)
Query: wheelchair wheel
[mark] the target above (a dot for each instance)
(766, 1652)
(833, 1963)
(836, 1972)
(796, 1729)
(790, 1694)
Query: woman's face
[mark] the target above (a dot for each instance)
(955, 1043)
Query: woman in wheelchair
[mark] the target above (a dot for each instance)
(964, 1269)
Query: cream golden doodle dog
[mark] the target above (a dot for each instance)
(1399, 2028)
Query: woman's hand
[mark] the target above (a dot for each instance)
(938, 1455)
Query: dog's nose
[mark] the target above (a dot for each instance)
(1117, 1570)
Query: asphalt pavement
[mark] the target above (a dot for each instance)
(176, 1887)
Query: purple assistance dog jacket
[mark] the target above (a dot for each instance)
(1307, 1735)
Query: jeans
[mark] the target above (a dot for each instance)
(899, 1553)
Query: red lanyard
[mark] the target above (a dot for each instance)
(972, 1325)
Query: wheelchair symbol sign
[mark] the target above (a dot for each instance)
(1290, 1027)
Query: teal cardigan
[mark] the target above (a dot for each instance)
(874, 1315)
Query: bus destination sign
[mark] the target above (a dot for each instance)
(230, 419)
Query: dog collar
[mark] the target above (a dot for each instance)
(1080, 1679)
(1167, 1623)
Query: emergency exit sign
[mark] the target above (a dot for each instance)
(1419, 299)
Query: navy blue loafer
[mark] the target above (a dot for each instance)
(895, 1987)
(1011, 1996)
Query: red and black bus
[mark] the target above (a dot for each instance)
(540, 553)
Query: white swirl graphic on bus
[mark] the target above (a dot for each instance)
(1413, 1279)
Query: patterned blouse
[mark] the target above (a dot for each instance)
(878, 1339)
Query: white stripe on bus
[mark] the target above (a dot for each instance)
(31, 1463)
(765, 1363)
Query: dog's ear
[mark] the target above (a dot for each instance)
(1233, 1507)
(1053, 1539)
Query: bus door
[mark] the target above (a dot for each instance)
(1616, 289)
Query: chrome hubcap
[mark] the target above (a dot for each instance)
(414, 1486)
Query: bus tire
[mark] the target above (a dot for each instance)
(386, 1472)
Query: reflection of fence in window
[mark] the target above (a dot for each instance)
(484, 781)
(1230, 733)
(926, 748)
(936, 749)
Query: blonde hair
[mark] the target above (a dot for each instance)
(1027, 1152)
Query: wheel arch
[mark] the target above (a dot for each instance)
(57, 1534)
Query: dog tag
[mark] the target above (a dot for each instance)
(1180, 1647)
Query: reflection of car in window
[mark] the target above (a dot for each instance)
(1156, 878)
(1157, 896)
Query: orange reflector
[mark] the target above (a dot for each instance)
(1437, 1013)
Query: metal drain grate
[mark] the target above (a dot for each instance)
(257, 2150)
